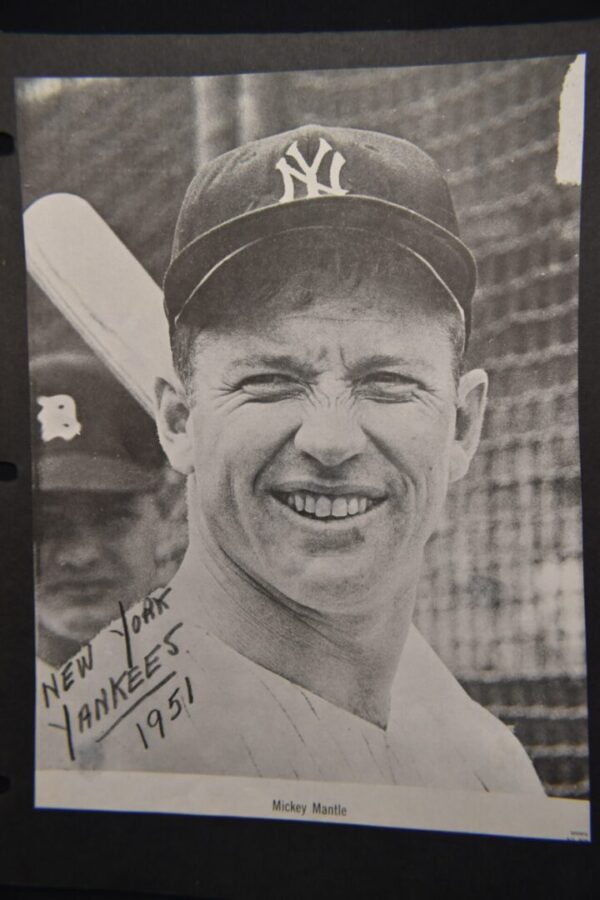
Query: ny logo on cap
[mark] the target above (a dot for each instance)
(58, 417)
(308, 174)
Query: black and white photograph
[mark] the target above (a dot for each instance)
(303, 356)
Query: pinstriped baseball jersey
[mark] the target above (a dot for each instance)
(156, 692)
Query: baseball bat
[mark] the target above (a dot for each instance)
(101, 289)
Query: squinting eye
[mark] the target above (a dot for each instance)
(116, 517)
(388, 378)
(52, 527)
(269, 384)
(267, 378)
(389, 385)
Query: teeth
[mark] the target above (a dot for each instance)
(339, 508)
(323, 507)
(353, 506)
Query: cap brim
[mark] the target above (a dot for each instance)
(81, 472)
(441, 249)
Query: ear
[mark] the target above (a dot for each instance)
(471, 403)
(172, 414)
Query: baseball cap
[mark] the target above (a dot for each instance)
(88, 432)
(317, 177)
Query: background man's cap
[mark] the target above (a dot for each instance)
(317, 176)
(89, 434)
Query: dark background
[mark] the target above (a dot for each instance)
(211, 16)
(220, 858)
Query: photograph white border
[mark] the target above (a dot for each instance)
(508, 815)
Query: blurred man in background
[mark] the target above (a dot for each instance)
(96, 516)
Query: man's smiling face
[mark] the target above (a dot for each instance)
(322, 433)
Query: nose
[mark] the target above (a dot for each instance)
(330, 436)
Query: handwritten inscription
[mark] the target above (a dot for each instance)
(115, 695)
(154, 605)
(121, 687)
(65, 679)
(157, 718)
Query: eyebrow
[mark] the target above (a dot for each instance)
(381, 361)
(277, 361)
